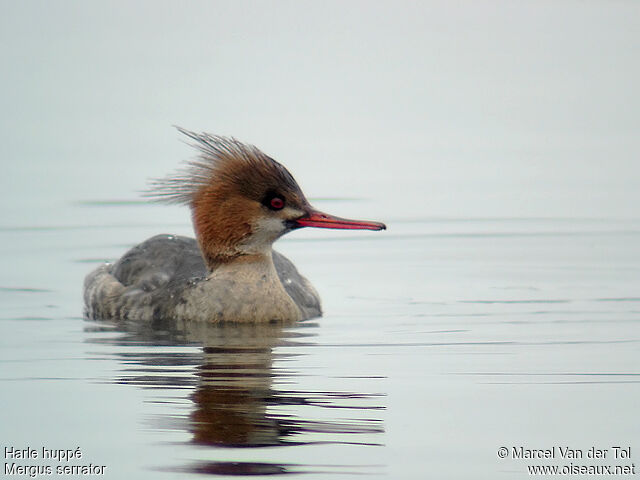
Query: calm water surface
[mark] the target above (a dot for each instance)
(443, 340)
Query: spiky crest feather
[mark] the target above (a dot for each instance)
(221, 159)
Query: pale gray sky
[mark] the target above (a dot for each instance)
(471, 108)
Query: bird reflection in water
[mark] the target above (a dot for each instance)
(238, 381)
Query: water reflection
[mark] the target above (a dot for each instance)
(241, 382)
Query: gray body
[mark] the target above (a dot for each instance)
(166, 277)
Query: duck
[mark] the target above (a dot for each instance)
(241, 202)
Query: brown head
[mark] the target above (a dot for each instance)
(241, 199)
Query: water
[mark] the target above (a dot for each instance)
(469, 335)
(500, 309)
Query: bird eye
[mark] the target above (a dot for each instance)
(276, 203)
(273, 200)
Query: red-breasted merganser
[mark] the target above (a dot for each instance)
(241, 202)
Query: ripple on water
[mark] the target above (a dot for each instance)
(239, 392)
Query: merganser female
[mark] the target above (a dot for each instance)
(241, 202)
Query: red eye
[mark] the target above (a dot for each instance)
(277, 203)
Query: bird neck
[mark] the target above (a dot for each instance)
(246, 289)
